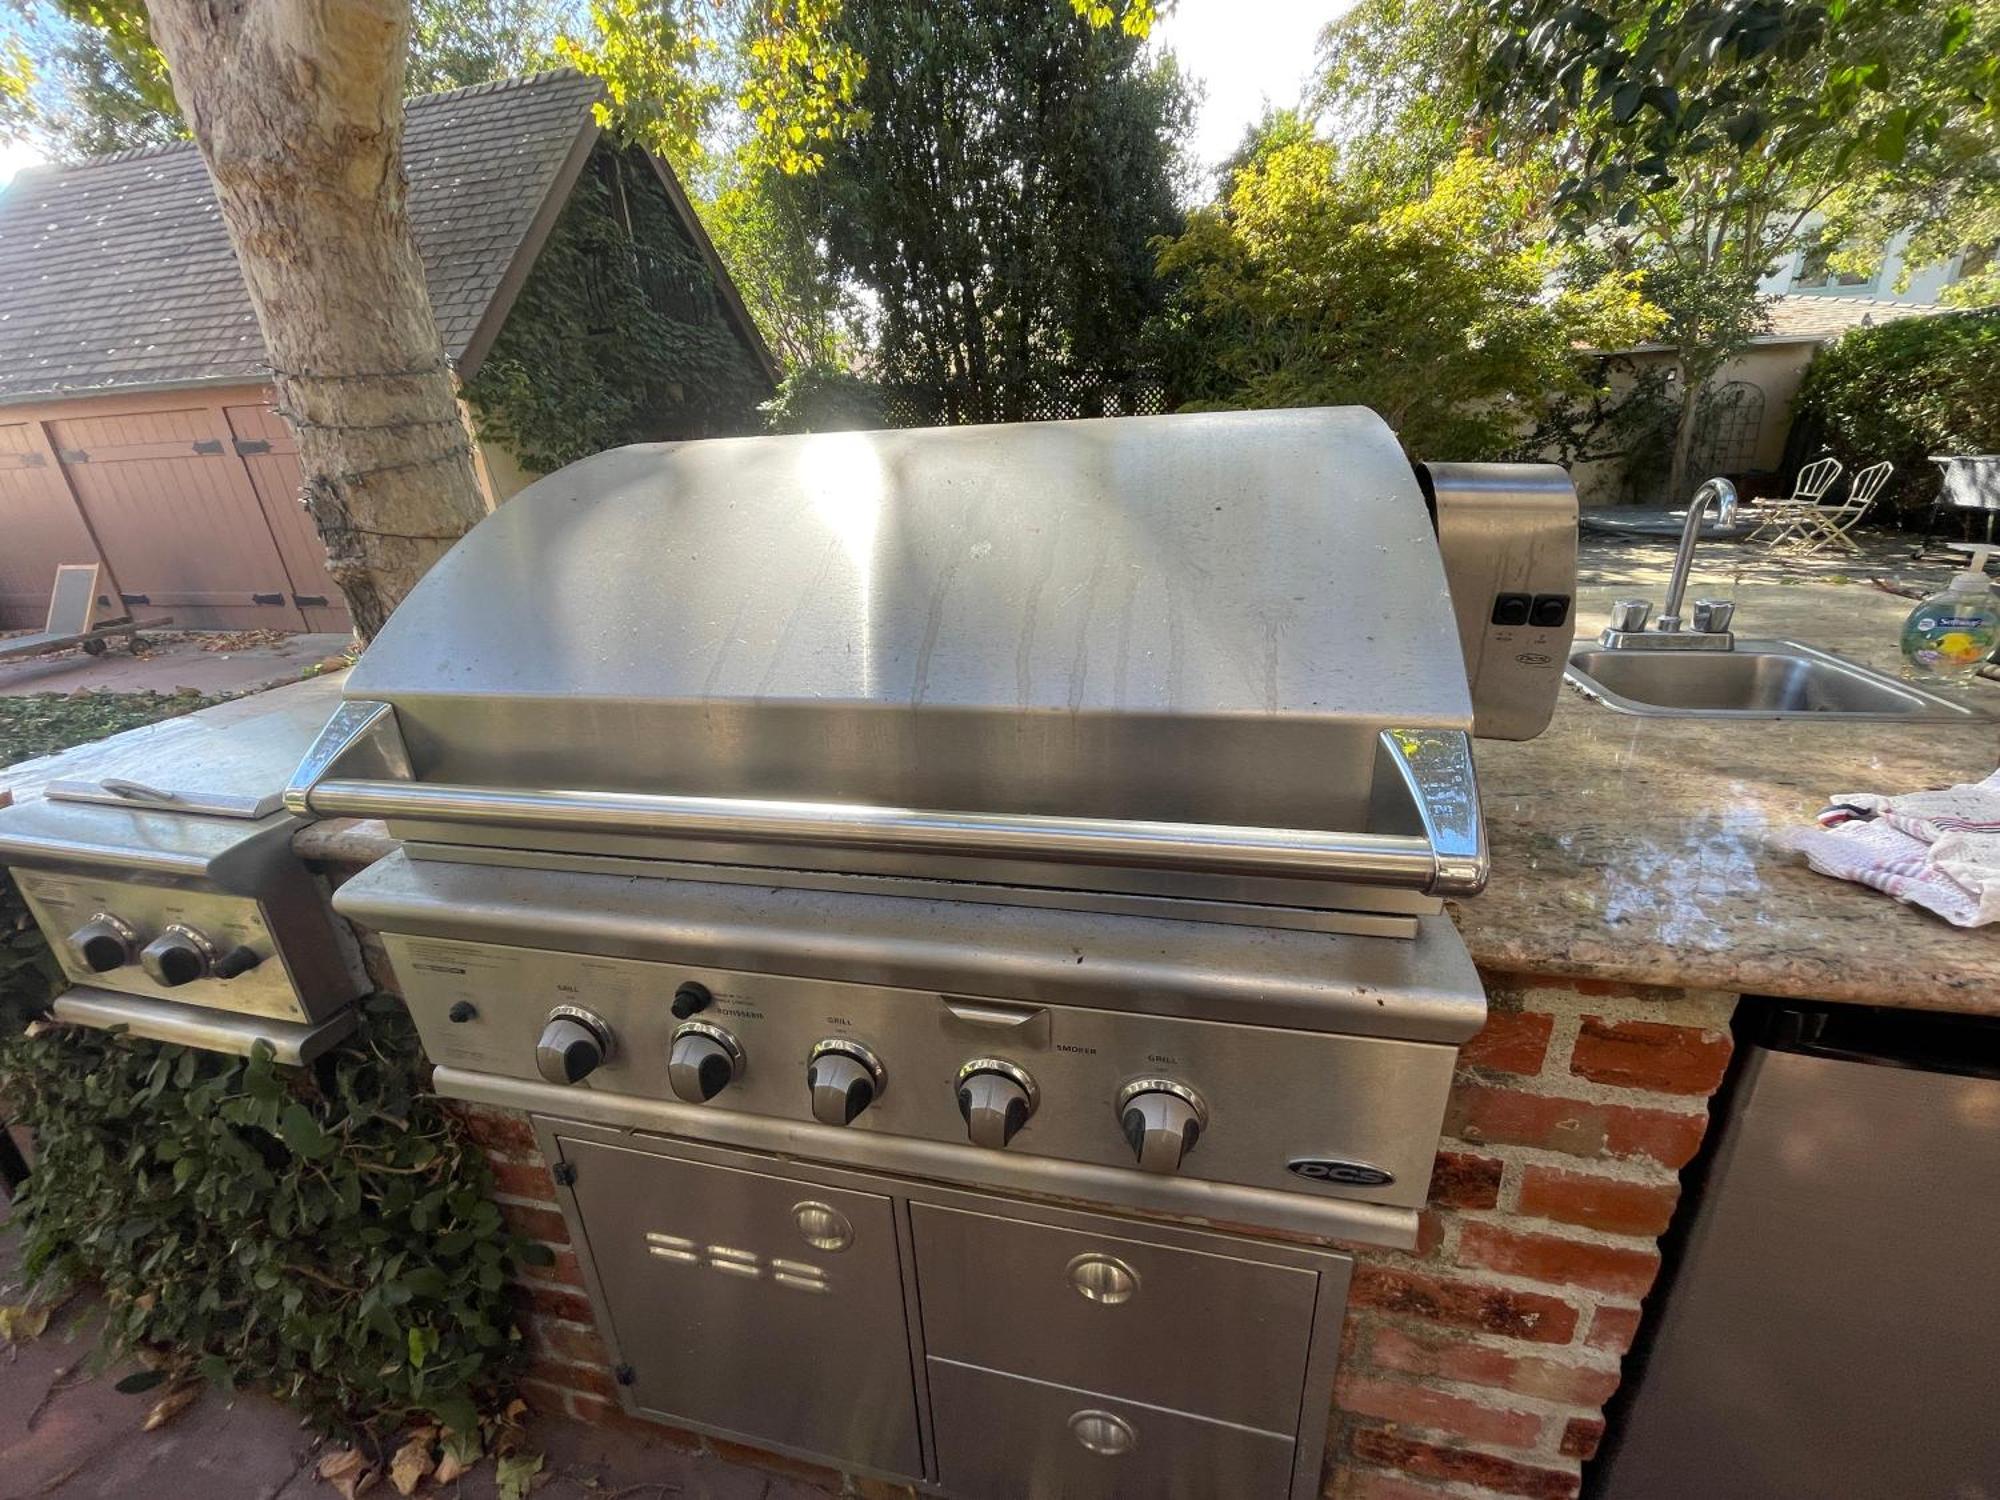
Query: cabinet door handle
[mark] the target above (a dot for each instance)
(1102, 1432)
(1103, 1278)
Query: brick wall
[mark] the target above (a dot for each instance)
(1476, 1365)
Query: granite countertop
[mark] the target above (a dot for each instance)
(1642, 849)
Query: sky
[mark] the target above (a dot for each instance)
(1247, 53)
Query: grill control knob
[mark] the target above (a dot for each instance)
(690, 999)
(996, 1098)
(1162, 1120)
(179, 955)
(702, 1062)
(104, 943)
(844, 1078)
(573, 1045)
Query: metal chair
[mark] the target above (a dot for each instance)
(1789, 517)
(1823, 526)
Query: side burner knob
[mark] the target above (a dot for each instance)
(843, 1078)
(996, 1098)
(573, 1045)
(180, 955)
(1162, 1120)
(104, 943)
(702, 1062)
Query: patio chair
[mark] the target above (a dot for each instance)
(1784, 519)
(1823, 526)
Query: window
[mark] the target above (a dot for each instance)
(1815, 275)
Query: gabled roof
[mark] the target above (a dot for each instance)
(1815, 317)
(117, 273)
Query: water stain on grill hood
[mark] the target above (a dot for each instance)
(1192, 618)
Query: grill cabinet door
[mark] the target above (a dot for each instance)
(767, 1308)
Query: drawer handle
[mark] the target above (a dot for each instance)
(1103, 1278)
(823, 1226)
(1101, 1432)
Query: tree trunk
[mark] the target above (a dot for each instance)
(1684, 430)
(297, 106)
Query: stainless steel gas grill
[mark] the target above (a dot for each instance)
(942, 895)
(165, 882)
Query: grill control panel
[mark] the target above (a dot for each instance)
(1163, 1094)
(197, 947)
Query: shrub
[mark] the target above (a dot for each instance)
(1905, 390)
(326, 1233)
(820, 399)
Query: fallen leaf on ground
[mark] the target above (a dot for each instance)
(450, 1470)
(515, 1474)
(19, 1323)
(411, 1463)
(348, 1472)
(171, 1405)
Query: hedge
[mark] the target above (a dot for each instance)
(1906, 390)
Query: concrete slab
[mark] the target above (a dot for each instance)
(210, 662)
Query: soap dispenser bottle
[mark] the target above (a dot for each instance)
(1951, 635)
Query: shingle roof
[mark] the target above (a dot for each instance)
(118, 272)
(1799, 316)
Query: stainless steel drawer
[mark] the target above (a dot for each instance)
(753, 1304)
(1198, 1332)
(1003, 1438)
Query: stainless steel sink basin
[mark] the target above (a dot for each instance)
(1758, 680)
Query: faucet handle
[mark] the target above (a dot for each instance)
(1629, 615)
(1712, 616)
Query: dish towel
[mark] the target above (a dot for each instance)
(1939, 850)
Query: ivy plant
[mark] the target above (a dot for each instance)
(325, 1233)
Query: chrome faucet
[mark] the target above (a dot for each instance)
(1711, 632)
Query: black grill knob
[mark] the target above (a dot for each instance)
(178, 956)
(995, 1098)
(1162, 1121)
(690, 1000)
(104, 943)
(573, 1045)
(843, 1079)
(703, 1061)
(238, 960)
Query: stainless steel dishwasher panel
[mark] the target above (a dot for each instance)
(752, 1304)
(1833, 1328)
(1218, 1335)
(1003, 1438)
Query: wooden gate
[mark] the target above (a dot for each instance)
(191, 501)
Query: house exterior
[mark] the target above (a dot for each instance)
(136, 420)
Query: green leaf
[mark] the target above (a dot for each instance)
(140, 1380)
(421, 1341)
(301, 1132)
(514, 1473)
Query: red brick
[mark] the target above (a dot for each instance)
(1576, 1127)
(1462, 1465)
(595, 1379)
(544, 1397)
(498, 1129)
(1464, 1179)
(1513, 1041)
(1446, 1357)
(572, 1343)
(1606, 1203)
(518, 1179)
(1581, 1436)
(535, 1223)
(1402, 1404)
(593, 1411)
(564, 1269)
(1651, 1055)
(1614, 1328)
(554, 1301)
(1430, 1234)
(1464, 1304)
(1557, 1261)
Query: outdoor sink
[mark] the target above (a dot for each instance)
(1757, 680)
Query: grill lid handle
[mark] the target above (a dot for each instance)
(1425, 834)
